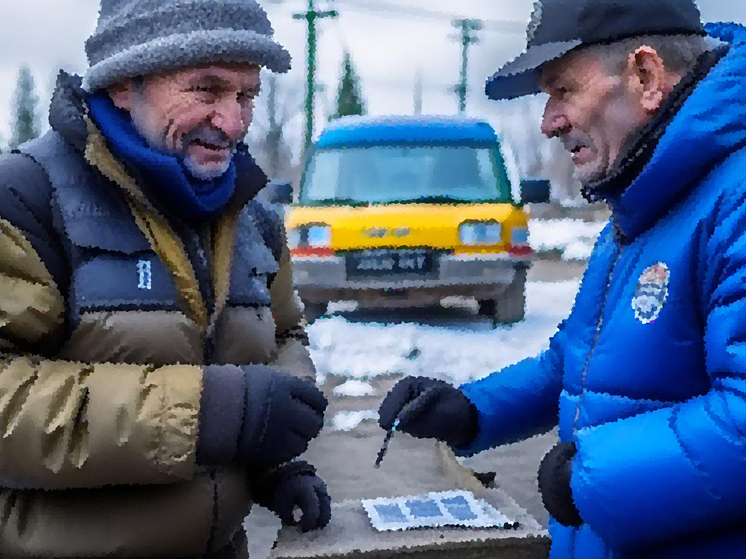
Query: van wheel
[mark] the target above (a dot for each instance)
(488, 307)
(314, 311)
(511, 306)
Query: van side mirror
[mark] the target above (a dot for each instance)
(535, 191)
(278, 193)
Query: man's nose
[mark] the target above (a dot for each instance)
(554, 123)
(231, 118)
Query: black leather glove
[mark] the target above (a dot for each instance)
(295, 484)
(430, 409)
(257, 416)
(555, 473)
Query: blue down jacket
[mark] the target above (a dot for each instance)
(648, 374)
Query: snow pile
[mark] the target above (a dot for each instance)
(456, 346)
(349, 420)
(573, 237)
(354, 389)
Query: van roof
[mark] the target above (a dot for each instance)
(406, 129)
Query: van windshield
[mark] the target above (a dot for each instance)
(385, 174)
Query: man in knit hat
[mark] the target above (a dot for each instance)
(154, 372)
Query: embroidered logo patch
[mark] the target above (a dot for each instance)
(651, 293)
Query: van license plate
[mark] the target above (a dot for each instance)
(387, 262)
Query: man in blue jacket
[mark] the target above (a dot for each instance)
(647, 376)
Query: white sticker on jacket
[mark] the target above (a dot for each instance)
(651, 293)
(146, 274)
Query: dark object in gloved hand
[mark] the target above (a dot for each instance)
(555, 473)
(257, 416)
(430, 409)
(291, 485)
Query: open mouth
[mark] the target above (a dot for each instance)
(580, 153)
(575, 146)
(213, 147)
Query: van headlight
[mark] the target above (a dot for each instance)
(480, 233)
(519, 237)
(310, 236)
(319, 236)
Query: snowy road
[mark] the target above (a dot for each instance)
(359, 355)
(452, 344)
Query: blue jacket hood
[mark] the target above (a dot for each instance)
(709, 126)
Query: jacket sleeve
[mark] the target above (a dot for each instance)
(661, 475)
(519, 401)
(291, 337)
(65, 424)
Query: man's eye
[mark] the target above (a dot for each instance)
(205, 93)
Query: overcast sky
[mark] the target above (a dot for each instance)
(389, 41)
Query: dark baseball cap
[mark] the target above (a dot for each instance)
(559, 26)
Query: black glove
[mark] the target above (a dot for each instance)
(295, 484)
(257, 416)
(555, 473)
(430, 409)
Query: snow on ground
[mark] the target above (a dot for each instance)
(573, 237)
(348, 420)
(455, 345)
(354, 388)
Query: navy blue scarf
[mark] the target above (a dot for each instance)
(166, 175)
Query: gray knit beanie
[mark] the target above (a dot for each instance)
(139, 37)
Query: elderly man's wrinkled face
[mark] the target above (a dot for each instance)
(198, 115)
(597, 114)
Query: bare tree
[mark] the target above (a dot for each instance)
(536, 155)
(271, 139)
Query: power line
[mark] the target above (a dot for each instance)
(396, 83)
(413, 12)
(385, 9)
(401, 85)
(502, 26)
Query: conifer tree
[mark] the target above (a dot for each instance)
(24, 125)
(349, 98)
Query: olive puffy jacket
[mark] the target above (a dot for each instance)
(109, 312)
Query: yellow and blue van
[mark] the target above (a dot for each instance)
(408, 210)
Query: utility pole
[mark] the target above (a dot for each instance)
(418, 93)
(311, 15)
(274, 134)
(466, 26)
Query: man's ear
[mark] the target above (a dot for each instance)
(123, 94)
(649, 78)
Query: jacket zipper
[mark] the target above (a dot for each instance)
(203, 238)
(599, 326)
